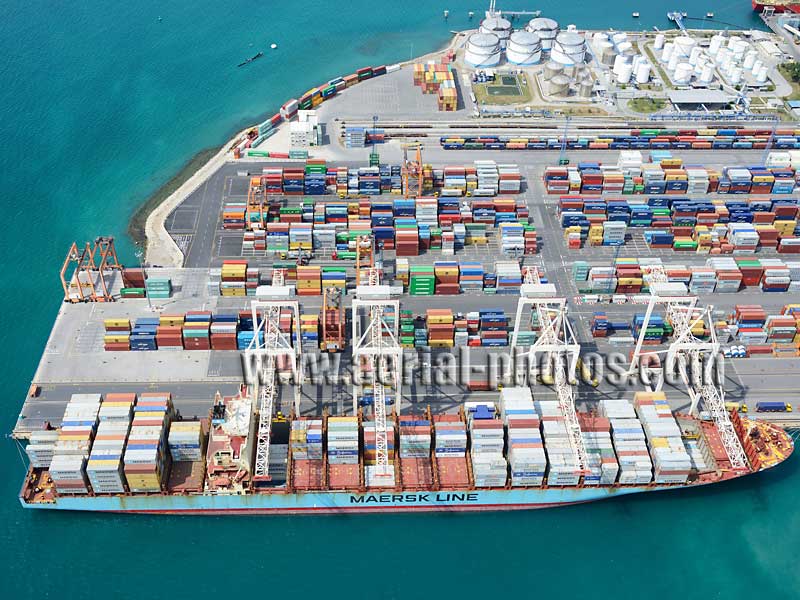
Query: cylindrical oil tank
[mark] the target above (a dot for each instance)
(606, 53)
(736, 75)
(707, 76)
(750, 59)
(570, 71)
(620, 37)
(499, 26)
(739, 48)
(483, 50)
(546, 29)
(559, 85)
(757, 66)
(618, 62)
(694, 55)
(673, 62)
(659, 43)
(569, 48)
(643, 72)
(585, 88)
(623, 47)
(598, 38)
(683, 73)
(761, 76)
(551, 69)
(684, 45)
(722, 55)
(624, 73)
(667, 51)
(733, 40)
(716, 43)
(524, 48)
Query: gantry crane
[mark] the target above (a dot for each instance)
(413, 171)
(87, 283)
(332, 320)
(264, 353)
(559, 348)
(377, 350)
(689, 354)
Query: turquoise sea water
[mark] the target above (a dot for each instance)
(100, 104)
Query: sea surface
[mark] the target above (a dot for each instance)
(100, 104)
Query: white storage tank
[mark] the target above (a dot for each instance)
(524, 48)
(659, 43)
(619, 60)
(623, 47)
(684, 45)
(620, 37)
(559, 85)
(606, 53)
(673, 62)
(739, 48)
(761, 76)
(551, 69)
(643, 72)
(667, 51)
(683, 73)
(624, 73)
(732, 41)
(716, 43)
(598, 38)
(707, 75)
(694, 55)
(569, 48)
(736, 75)
(499, 26)
(483, 50)
(757, 67)
(750, 59)
(585, 88)
(546, 29)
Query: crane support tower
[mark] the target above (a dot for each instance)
(268, 346)
(557, 345)
(377, 352)
(413, 172)
(332, 320)
(688, 354)
(89, 266)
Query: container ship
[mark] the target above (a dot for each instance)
(129, 453)
(779, 6)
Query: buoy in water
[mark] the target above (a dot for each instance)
(273, 46)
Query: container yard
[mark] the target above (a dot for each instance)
(442, 325)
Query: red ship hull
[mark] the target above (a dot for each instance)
(787, 7)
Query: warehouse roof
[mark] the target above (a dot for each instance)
(706, 97)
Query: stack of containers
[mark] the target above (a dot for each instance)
(422, 280)
(41, 447)
(169, 332)
(488, 178)
(450, 447)
(562, 470)
(186, 441)
(105, 462)
(509, 276)
(372, 475)
(629, 442)
(512, 240)
(493, 327)
(343, 441)
(415, 453)
(146, 456)
(510, 179)
(68, 464)
(143, 335)
(487, 440)
(440, 327)
(223, 331)
(526, 455)
(447, 278)
(601, 462)
(309, 281)
(306, 439)
(117, 335)
(671, 462)
(196, 328)
(158, 287)
(471, 276)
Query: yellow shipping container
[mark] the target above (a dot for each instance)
(117, 322)
(110, 339)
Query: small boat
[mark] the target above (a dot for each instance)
(251, 59)
(446, 14)
(273, 46)
(635, 15)
(709, 15)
